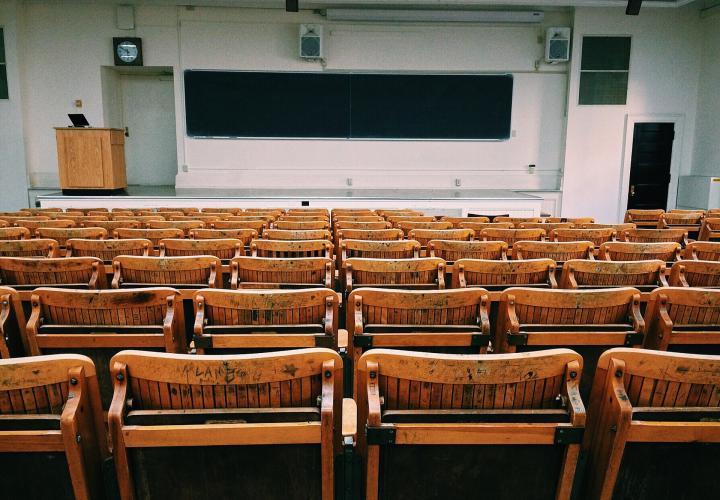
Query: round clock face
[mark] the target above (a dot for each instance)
(127, 51)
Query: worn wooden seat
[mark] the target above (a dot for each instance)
(479, 226)
(656, 236)
(452, 250)
(500, 274)
(154, 235)
(687, 221)
(204, 217)
(390, 249)
(12, 324)
(290, 234)
(111, 225)
(237, 320)
(404, 212)
(447, 426)
(106, 213)
(184, 225)
(516, 221)
(203, 271)
(572, 220)
(85, 210)
(107, 250)
(695, 273)
(408, 274)
(244, 235)
(72, 272)
(369, 234)
(557, 251)
(397, 219)
(34, 225)
(165, 214)
(100, 323)
(218, 210)
(424, 236)
(254, 217)
(41, 247)
(407, 226)
(263, 272)
(653, 428)
(702, 250)
(53, 440)
(644, 218)
(142, 219)
(263, 211)
(597, 236)
(294, 218)
(14, 219)
(301, 225)
(62, 235)
(358, 219)
(343, 225)
(274, 418)
(288, 249)
(223, 249)
(456, 221)
(547, 226)
(14, 233)
(121, 211)
(645, 275)
(510, 236)
(308, 211)
(621, 250)
(87, 220)
(619, 228)
(710, 228)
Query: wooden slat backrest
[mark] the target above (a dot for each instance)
(702, 250)
(224, 249)
(34, 225)
(61, 235)
(621, 250)
(263, 211)
(39, 211)
(111, 225)
(456, 221)
(397, 219)
(689, 220)
(166, 214)
(85, 272)
(516, 221)
(184, 225)
(105, 213)
(408, 226)
(289, 249)
(13, 219)
(87, 220)
(198, 217)
(197, 271)
(686, 211)
(425, 235)
(369, 234)
(631, 381)
(140, 218)
(503, 273)
(405, 212)
(4, 223)
(269, 217)
(257, 225)
(389, 249)
(233, 211)
(305, 218)
(510, 236)
(308, 211)
(244, 235)
(67, 213)
(107, 250)
(656, 235)
(29, 248)
(85, 211)
(428, 272)
(558, 251)
(695, 273)
(12, 324)
(289, 234)
(185, 210)
(452, 250)
(358, 219)
(572, 220)
(342, 225)
(301, 225)
(262, 272)
(360, 212)
(604, 274)
(154, 235)
(121, 211)
(646, 218)
(597, 236)
(14, 233)
(547, 226)
(619, 228)
(710, 228)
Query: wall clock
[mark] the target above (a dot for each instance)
(127, 51)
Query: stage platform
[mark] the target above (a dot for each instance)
(459, 202)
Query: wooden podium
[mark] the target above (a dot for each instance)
(91, 159)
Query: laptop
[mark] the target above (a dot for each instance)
(78, 120)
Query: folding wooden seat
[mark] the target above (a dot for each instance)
(164, 215)
(653, 428)
(272, 212)
(106, 213)
(252, 218)
(305, 218)
(66, 213)
(447, 426)
(424, 236)
(154, 235)
(53, 439)
(685, 211)
(232, 211)
(510, 236)
(702, 250)
(85, 210)
(14, 219)
(107, 250)
(228, 321)
(19, 214)
(390, 249)
(359, 219)
(185, 226)
(516, 221)
(257, 225)
(426, 273)
(301, 225)
(61, 235)
(143, 219)
(397, 219)
(407, 226)
(656, 236)
(41, 248)
(184, 210)
(400, 213)
(72, 272)
(689, 222)
(298, 235)
(597, 236)
(34, 225)
(621, 250)
(14, 233)
(203, 271)
(479, 226)
(308, 211)
(4, 223)
(12, 324)
(645, 275)
(453, 250)
(557, 251)
(695, 273)
(244, 235)
(547, 226)
(458, 220)
(265, 272)
(275, 418)
(290, 249)
(111, 225)
(360, 212)
(644, 218)
(619, 228)
(369, 234)
(588, 321)
(712, 212)
(100, 323)
(206, 218)
(87, 220)
(121, 211)
(40, 211)
(223, 249)
(709, 229)
(572, 220)
(497, 275)
(454, 321)
(342, 225)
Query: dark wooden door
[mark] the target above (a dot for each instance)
(650, 165)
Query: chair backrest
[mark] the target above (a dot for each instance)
(405, 212)
(619, 228)
(224, 249)
(34, 225)
(154, 235)
(597, 236)
(140, 218)
(308, 211)
(263, 272)
(257, 225)
(386, 249)
(290, 234)
(13, 219)
(253, 217)
(424, 236)
(184, 225)
(689, 221)
(203, 271)
(14, 233)
(342, 225)
(288, 249)
(205, 217)
(233, 211)
(421, 273)
(510, 236)
(53, 441)
(369, 234)
(622, 250)
(61, 235)
(105, 212)
(479, 226)
(358, 219)
(572, 220)
(265, 319)
(644, 218)
(452, 250)
(29, 248)
(547, 226)
(702, 250)
(289, 402)
(695, 273)
(244, 235)
(516, 221)
(656, 235)
(87, 220)
(456, 221)
(12, 324)
(710, 228)
(642, 274)
(557, 251)
(72, 272)
(502, 411)
(652, 427)
(397, 219)
(407, 226)
(301, 225)
(107, 250)
(111, 225)
(500, 274)
(121, 211)
(305, 218)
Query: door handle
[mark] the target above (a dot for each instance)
(127, 132)
(632, 190)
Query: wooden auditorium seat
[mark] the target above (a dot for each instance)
(204, 271)
(223, 249)
(695, 273)
(154, 235)
(557, 251)
(290, 234)
(547, 226)
(342, 225)
(495, 275)
(597, 236)
(619, 228)
(479, 226)
(34, 225)
(380, 249)
(41, 247)
(70, 272)
(62, 235)
(111, 225)
(452, 250)
(107, 250)
(645, 275)
(688, 221)
(289, 249)
(710, 228)
(184, 225)
(510, 236)
(301, 225)
(702, 250)
(424, 236)
(656, 236)
(622, 250)
(369, 234)
(407, 226)
(408, 274)
(516, 221)
(456, 221)
(12, 324)
(14, 233)
(263, 272)
(244, 235)
(644, 218)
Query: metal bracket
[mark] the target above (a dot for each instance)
(202, 342)
(569, 435)
(380, 435)
(479, 339)
(517, 338)
(632, 339)
(363, 340)
(324, 341)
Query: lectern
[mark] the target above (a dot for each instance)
(91, 159)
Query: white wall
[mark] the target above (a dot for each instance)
(663, 83)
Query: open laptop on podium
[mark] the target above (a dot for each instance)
(78, 120)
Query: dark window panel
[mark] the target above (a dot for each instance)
(603, 88)
(606, 53)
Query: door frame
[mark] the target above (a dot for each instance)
(679, 126)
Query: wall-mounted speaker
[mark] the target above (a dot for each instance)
(557, 45)
(311, 41)
(125, 17)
